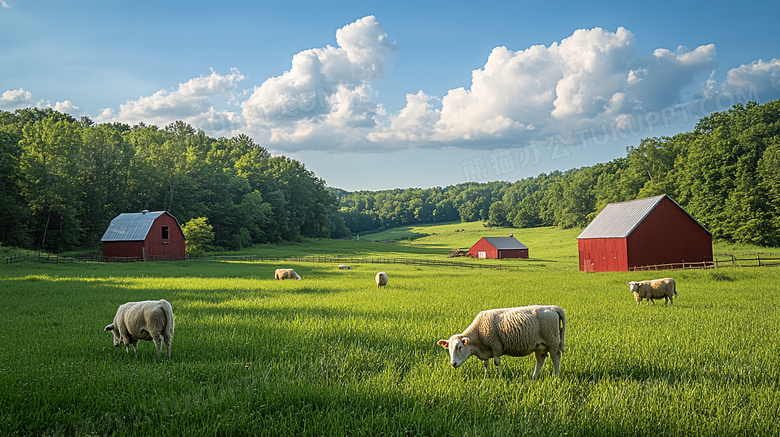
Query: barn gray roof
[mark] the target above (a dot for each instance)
(618, 220)
(505, 243)
(131, 226)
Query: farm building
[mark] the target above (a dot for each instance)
(143, 236)
(654, 231)
(499, 248)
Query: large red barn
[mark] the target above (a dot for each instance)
(144, 236)
(499, 248)
(653, 231)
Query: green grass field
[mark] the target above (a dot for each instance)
(333, 355)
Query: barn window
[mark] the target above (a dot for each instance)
(165, 232)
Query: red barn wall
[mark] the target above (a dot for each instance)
(512, 253)
(603, 255)
(123, 249)
(668, 236)
(483, 246)
(170, 248)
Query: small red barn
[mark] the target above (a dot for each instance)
(652, 231)
(499, 248)
(143, 236)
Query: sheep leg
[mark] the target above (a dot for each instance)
(129, 340)
(168, 340)
(540, 357)
(497, 361)
(158, 341)
(556, 357)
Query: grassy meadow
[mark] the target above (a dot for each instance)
(333, 355)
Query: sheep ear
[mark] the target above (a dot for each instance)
(110, 328)
(443, 343)
(465, 341)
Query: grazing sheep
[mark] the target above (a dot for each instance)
(286, 274)
(665, 289)
(150, 320)
(381, 279)
(516, 332)
(344, 267)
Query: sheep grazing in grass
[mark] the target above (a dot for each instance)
(286, 274)
(344, 267)
(150, 320)
(516, 332)
(381, 279)
(665, 289)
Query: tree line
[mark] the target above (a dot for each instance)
(725, 173)
(62, 180)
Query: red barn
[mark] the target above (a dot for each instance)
(143, 236)
(499, 248)
(644, 232)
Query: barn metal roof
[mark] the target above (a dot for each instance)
(618, 220)
(131, 226)
(505, 243)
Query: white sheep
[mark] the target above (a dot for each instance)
(381, 279)
(344, 267)
(286, 274)
(150, 320)
(516, 332)
(665, 289)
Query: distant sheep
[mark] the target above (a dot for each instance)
(515, 332)
(381, 279)
(150, 320)
(344, 267)
(286, 274)
(665, 289)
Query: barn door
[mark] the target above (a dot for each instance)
(588, 266)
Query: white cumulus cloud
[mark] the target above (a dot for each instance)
(190, 102)
(593, 76)
(760, 79)
(66, 106)
(326, 97)
(14, 99)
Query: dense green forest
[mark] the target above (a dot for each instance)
(726, 173)
(62, 180)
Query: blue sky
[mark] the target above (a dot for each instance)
(379, 95)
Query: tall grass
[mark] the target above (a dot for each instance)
(334, 355)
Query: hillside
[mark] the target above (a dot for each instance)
(549, 247)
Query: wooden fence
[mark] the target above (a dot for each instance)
(721, 260)
(57, 259)
(674, 266)
(53, 258)
(727, 260)
(347, 260)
